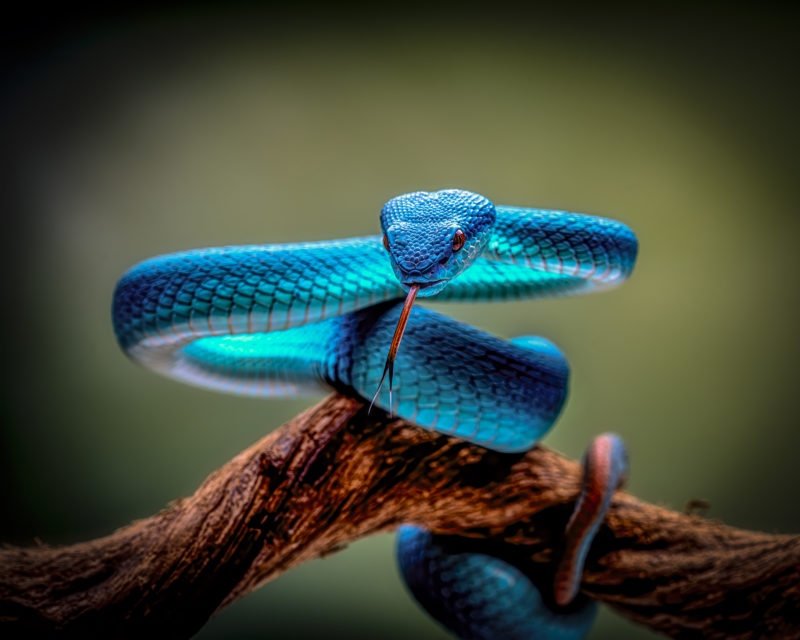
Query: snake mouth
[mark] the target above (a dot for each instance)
(427, 288)
(423, 285)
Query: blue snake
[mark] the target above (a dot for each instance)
(293, 318)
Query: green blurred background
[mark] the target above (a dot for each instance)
(161, 130)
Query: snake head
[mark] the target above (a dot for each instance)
(432, 237)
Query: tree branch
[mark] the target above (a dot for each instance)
(334, 474)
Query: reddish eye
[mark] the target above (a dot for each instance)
(386, 241)
(458, 240)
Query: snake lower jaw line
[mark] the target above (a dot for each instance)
(426, 289)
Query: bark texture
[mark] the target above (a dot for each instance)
(334, 474)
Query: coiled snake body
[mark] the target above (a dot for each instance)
(280, 319)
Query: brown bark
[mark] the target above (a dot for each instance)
(335, 474)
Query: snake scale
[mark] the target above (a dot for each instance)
(291, 318)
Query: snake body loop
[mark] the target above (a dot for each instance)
(294, 318)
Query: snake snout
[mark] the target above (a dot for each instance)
(425, 287)
(430, 280)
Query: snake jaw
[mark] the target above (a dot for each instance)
(395, 345)
(426, 288)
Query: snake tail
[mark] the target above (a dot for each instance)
(605, 468)
(482, 590)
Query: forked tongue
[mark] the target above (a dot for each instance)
(398, 335)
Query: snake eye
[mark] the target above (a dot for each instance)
(386, 241)
(458, 240)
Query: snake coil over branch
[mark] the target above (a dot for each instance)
(275, 319)
(335, 474)
(278, 319)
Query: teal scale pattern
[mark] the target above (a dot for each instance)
(483, 596)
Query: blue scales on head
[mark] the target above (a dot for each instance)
(432, 237)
